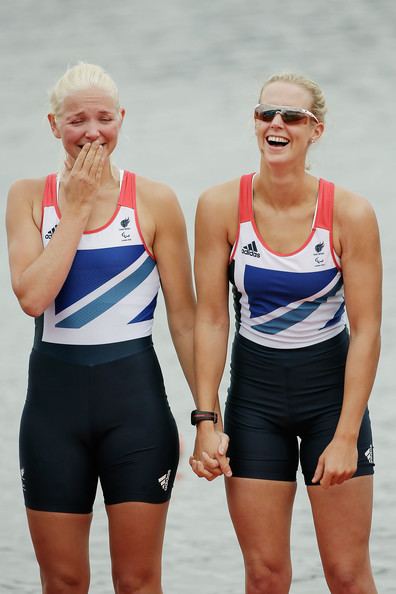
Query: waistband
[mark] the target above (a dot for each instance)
(319, 348)
(95, 354)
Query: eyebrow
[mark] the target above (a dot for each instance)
(82, 113)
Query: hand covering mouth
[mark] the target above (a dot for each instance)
(82, 145)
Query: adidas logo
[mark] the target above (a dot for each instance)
(251, 250)
(23, 479)
(50, 233)
(370, 454)
(164, 480)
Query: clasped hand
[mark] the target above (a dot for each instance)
(209, 459)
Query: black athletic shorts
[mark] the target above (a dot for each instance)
(109, 421)
(283, 407)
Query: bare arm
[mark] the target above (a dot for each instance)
(171, 250)
(362, 272)
(212, 252)
(37, 275)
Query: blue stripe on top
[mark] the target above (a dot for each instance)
(147, 313)
(296, 315)
(284, 287)
(98, 306)
(91, 269)
(337, 316)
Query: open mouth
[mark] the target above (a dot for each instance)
(277, 141)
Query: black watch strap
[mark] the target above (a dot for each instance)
(203, 415)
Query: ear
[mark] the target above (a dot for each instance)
(53, 124)
(317, 132)
(122, 114)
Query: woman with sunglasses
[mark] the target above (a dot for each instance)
(297, 251)
(88, 249)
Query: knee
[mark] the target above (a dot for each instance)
(64, 583)
(345, 579)
(262, 578)
(143, 582)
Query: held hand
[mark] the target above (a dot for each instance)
(209, 459)
(337, 463)
(83, 177)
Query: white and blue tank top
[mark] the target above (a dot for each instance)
(287, 300)
(110, 293)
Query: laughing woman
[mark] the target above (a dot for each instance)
(298, 251)
(89, 249)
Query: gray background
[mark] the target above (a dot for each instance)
(189, 74)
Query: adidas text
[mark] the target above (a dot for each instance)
(251, 250)
(50, 233)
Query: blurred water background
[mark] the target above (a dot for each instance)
(189, 74)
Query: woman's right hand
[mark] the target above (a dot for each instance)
(82, 179)
(209, 459)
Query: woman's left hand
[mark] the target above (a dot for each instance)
(337, 463)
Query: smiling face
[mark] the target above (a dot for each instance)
(87, 116)
(278, 141)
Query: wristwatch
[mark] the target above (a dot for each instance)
(202, 415)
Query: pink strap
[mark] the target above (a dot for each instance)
(49, 198)
(245, 198)
(128, 190)
(324, 213)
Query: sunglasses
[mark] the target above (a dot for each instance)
(290, 115)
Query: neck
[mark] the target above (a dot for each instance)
(283, 187)
(110, 174)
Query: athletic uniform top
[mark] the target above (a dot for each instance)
(110, 293)
(287, 300)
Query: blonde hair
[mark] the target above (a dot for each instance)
(318, 106)
(80, 77)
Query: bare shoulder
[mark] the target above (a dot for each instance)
(155, 195)
(25, 195)
(27, 188)
(222, 197)
(355, 223)
(351, 207)
(217, 210)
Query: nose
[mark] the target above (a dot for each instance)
(92, 131)
(277, 121)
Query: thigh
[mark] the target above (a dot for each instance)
(57, 467)
(321, 431)
(261, 512)
(136, 533)
(138, 444)
(60, 541)
(263, 444)
(318, 392)
(260, 450)
(342, 517)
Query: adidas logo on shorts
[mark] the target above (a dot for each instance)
(369, 453)
(164, 480)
